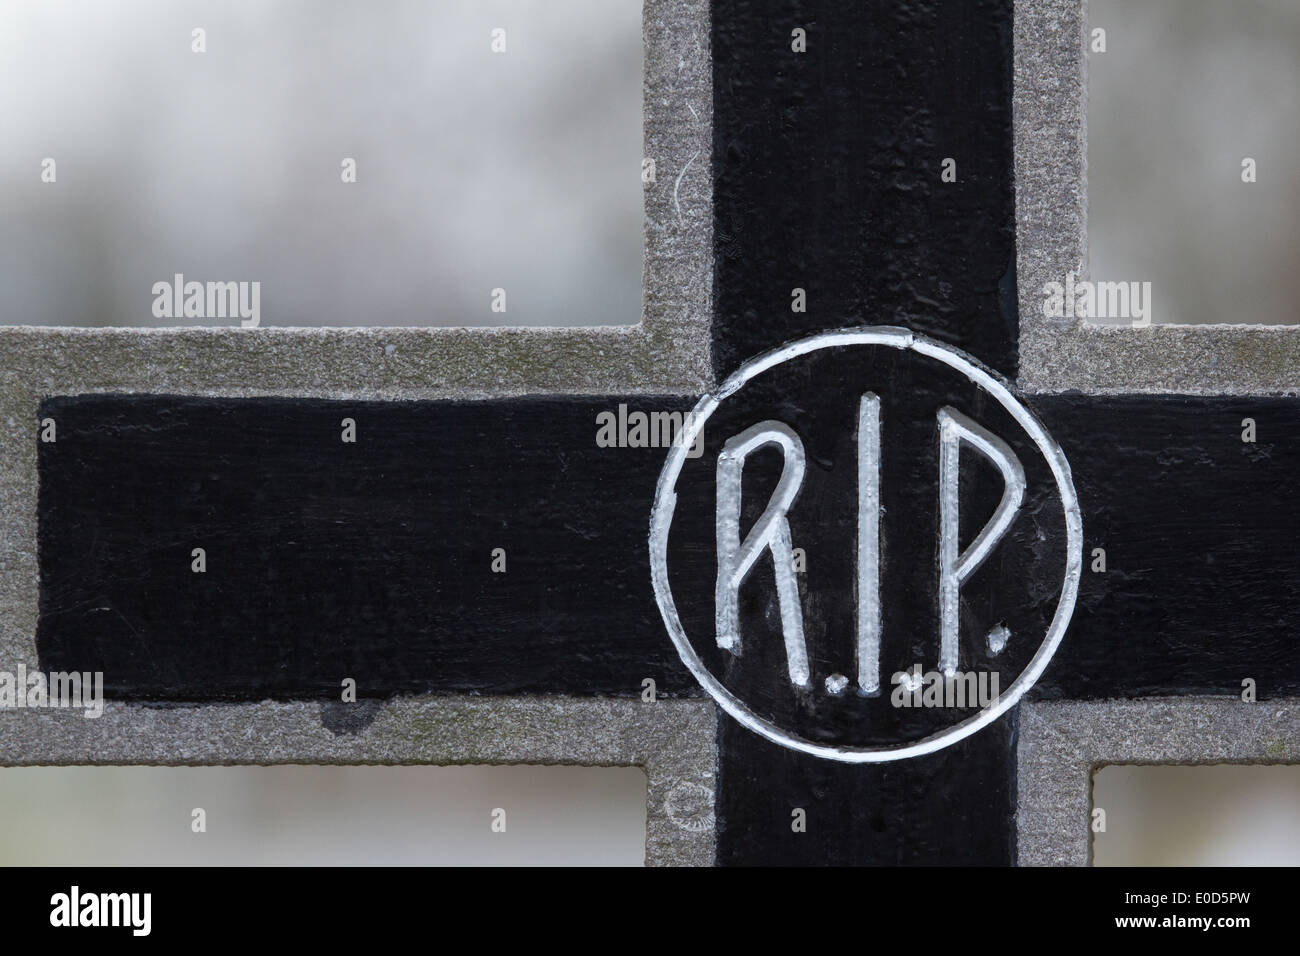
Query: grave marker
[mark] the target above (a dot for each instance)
(945, 516)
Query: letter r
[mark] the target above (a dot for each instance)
(771, 532)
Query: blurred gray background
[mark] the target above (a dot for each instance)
(1185, 91)
(1219, 815)
(475, 170)
(316, 815)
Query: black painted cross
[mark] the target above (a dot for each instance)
(372, 558)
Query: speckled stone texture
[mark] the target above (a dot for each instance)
(1062, 743)
(1050, 118)
(674, 741)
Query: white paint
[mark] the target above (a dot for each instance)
(954, 429)
(888, 337)
(869, 544)
(771, 532)
(997, 638)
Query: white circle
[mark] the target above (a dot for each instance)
(666, 501)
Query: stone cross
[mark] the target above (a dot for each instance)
(844, 467)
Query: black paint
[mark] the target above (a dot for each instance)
(1200, 529)
(827, 168)
(328, 560)
(827, 177)
(953, 807)
(372, 560)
